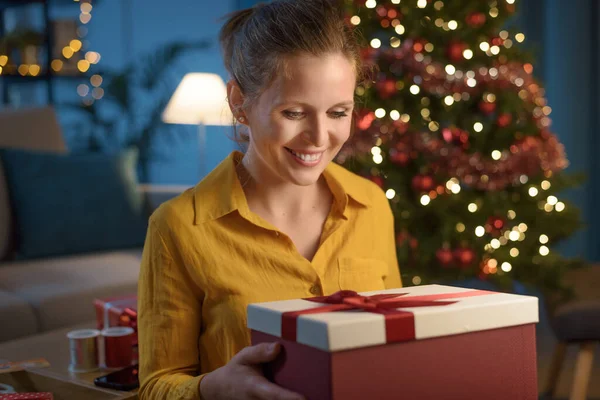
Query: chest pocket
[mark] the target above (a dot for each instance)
(361, 274)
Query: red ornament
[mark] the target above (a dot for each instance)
(378, 180)
(423, 183)
(495, 224)
(386, 88)
(486, 107)
(444, 257)
(399, 157)
(504, 120)
(364, 119)
(475, 20)
(455, 51)
(464, 257)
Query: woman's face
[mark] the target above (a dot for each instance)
(299, 124)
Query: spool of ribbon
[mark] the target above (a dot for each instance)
(83, 348)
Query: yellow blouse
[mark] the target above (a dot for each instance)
(207, 256)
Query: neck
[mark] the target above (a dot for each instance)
(267, 192)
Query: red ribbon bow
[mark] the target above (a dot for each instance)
(399, 325)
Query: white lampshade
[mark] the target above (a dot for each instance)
(200, 98)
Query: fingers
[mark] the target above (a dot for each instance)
(258, 354)
(266, 390)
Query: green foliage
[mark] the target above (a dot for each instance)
(456, 129)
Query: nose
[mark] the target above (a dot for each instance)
(317, 133)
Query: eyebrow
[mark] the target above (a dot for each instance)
(291, 101)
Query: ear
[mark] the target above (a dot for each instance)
(236, 101)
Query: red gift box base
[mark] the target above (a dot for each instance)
(498, 364)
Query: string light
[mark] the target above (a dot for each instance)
(375, 150)
(523, 179)
(546, 185)
(75, 45)
(496, 155)
(472, 207)
(514, 252)
(56, 65)
(414, 89)
(3, 60)
(510, 1)
(405, 118)
(434, 126)
(543, 239)
(552, 200)
(544, 251)
(479, 231)
(375, 43)
(83, 90)
(468, 54)
(400, 29)
(355, 20)
(85, 18)
(395, 115)
(390, 194)
(471, 82)
(513, 236)
(425, 200)
(425, 113)
(460, 227)
(494, 12)
(495, 50)
(422, 3)
(450, 69)
(438, 5)
(96, 81)
(484, 46)
(506, 267)
(34, 70)
(452, 25)
(519, 37)
(0, 70)
(377, 158)
(97, 93)
(23, 69)
(495, 243)
(478, 126)
(83, 65)
(560, 206)
(416, 280)
(508, 43)
(439, 22)
(380, 113)
(395, 42)
(67, 52)
(371, 4)
(449, 100)
(533, 191)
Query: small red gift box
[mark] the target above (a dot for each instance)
(27, 396)
(117, 311)
(417, 343)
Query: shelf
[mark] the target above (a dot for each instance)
(44, 77)
(16, 3)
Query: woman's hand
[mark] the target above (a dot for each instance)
(242, 377)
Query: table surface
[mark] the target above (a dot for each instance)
(54, 347)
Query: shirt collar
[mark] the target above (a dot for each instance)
(221, 192)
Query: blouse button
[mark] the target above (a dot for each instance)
(315, 290)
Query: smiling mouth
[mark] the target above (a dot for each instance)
(306, 159)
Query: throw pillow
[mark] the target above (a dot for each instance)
(68, 204)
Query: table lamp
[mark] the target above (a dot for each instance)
(200, 99)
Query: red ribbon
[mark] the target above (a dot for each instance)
(399, 325)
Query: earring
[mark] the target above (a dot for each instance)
(242, 119)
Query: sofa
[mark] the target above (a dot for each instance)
(44, 294)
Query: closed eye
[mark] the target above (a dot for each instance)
(293, 114)
(338, 114)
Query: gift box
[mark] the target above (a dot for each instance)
(27, 396)
(417, 343)
(118, 311)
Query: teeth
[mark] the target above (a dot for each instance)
(306, 157)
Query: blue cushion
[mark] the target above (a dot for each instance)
(67, 204)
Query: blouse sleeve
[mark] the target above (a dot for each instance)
(169, 323)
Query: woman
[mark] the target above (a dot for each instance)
(278, 222)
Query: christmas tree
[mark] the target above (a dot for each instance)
(455, 128)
